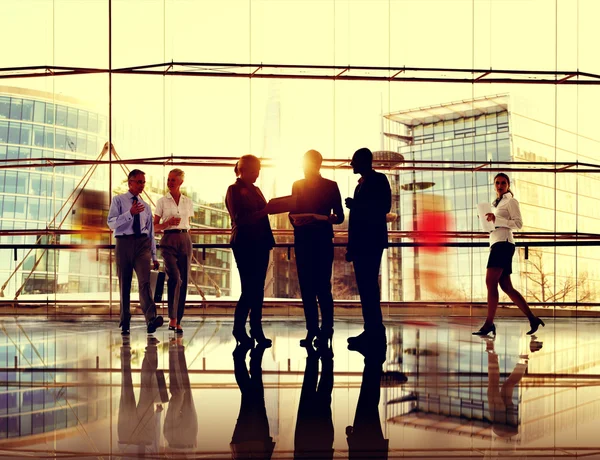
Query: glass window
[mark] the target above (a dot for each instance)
(71, 141)
(49, 138)
(61, 115)
(8, 210)
(35, 184)
(38, 136)
(10, 184)
(13, 153)
(16, 106)
(3, 131)
(2, 155)
(34, 209)
(61, 139)
(39, 112)
(4, 107)
(22, 183)
(21, 208)
(24, 152)
(27, 113)
(91, 145)
(102, 124)
(14, 132)
(82, 120)
(81, 143)
(26, 134)
(72, 118)
(93, 123)
(50, 113)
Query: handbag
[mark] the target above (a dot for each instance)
(157, 284)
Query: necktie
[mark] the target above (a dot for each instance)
(137, 229)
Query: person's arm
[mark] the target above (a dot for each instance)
(514, 221)
(239, 214)
(338, 210)
(115, 216)
(377, 199)
(150, 226)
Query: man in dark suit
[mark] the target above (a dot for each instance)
(367, 238)
(313, 244)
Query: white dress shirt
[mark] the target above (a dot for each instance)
(508, 218)
(167, 208)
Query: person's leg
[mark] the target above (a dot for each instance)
(124, 260)
(366, 269)
(169, 252)
(323, 272)
(306, 265)
(492, 278)
(141, 265)
(515, 296)
(184, 263)
(243, 260)
(261, 258)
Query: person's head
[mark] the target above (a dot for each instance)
(236, 169)
(501, 184)
(249, 168)
(362, 161)
(175, 179)
(136, 180)
(312, 163)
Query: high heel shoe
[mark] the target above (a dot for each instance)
(242, 339)
(324, 338)
(260, 338)
(308, 340)
(535, 324)
(486, 330)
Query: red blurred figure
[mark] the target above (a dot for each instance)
(429, 226)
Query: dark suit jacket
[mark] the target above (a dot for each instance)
(317, 196)
(372, 201)
(243, 202)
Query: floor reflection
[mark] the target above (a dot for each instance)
(79, 389)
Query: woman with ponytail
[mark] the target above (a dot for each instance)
(506, 217)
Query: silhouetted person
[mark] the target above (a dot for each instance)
(175, 211)
(504, 413)
(251, 242)
(314, 426)
(313, 244)
(365, 436)
(181, 421)
(251, 437)
(130, 218)
(367, 238)
(137, 424)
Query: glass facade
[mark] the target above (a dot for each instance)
(172, 103)
(492, 138)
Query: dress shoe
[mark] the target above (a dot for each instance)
(154, 324)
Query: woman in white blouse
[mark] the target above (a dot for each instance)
(506, 216)
(172, 217)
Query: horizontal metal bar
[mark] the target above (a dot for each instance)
(575, 243)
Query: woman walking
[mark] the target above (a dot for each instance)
(506, 216)
(175, 210)
(251, 242)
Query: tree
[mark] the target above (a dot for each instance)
(544, 288)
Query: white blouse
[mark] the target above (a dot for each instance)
(508, 218)
(167, 208)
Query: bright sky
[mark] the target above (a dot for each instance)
(233, 116)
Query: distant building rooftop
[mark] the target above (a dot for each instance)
(450, 111)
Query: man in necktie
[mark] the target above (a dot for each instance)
(130, 218)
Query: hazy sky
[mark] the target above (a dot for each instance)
(228, 116)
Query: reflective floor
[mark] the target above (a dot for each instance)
(79, 390)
